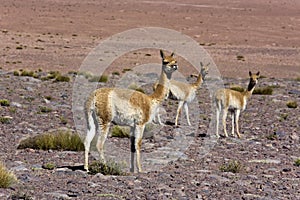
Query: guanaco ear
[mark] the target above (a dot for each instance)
(162, 54)
(257, 74)
(201, 64)
(250, 74)
(173, 54)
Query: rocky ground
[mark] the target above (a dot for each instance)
(179, 162)
(267, 151)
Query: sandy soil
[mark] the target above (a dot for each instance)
(57, 35)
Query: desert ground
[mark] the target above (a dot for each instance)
(239, 36)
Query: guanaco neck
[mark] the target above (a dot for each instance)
(198, 82)
(250, 89)
(162, 87)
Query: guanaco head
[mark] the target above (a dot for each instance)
(253, 80)
(169, 63)
(204, 70)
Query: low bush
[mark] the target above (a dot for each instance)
(264, 91)
(58, 140)
(62, 78)
(109, 168)
(4, 102)
(292, 104)
(232, 166)
(121, 132)
(7, 178)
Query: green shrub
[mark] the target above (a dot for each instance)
(110, 168)
(62, 78)
(7, 178)
(272, 136)
(53, 74)
(44, 109)
(16, 73)
(292, 104)
(4, 102)
(116, 73)
(102, 79)
(49, 166)
(5, 119)
(232, 166)
(264, 91)
(240, 57)
(28, 73)
(126, 70)
(120, 132)
(297, 162)
(60, 140)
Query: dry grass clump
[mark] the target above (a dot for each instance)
(94, 78)
(58, 140)
(109, 168)
(292, 104)
(120, 132)
(62, 78)
(5, 119)
(7, 178)
(101, 79)
(44, 109)
(4, 102)
(233, 166)
(264, 90)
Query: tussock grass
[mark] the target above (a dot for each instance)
(62, 78)
(264, 90)
(94, 78)
(49, 166)
(233, 166)
(7, 178)
(292, 104)
(120, 132)
(16, 73)
(110, 168)
(101, 79)
(272, 136)
(4, 102)
(297, 162)
(116, 73)
(58, 140)
(44, 109)
(5, 120)
(240, 57)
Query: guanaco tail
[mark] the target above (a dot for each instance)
(185, 93)
(125, 107)
(233, 101)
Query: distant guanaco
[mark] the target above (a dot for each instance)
(185, 93)
(233, 101)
